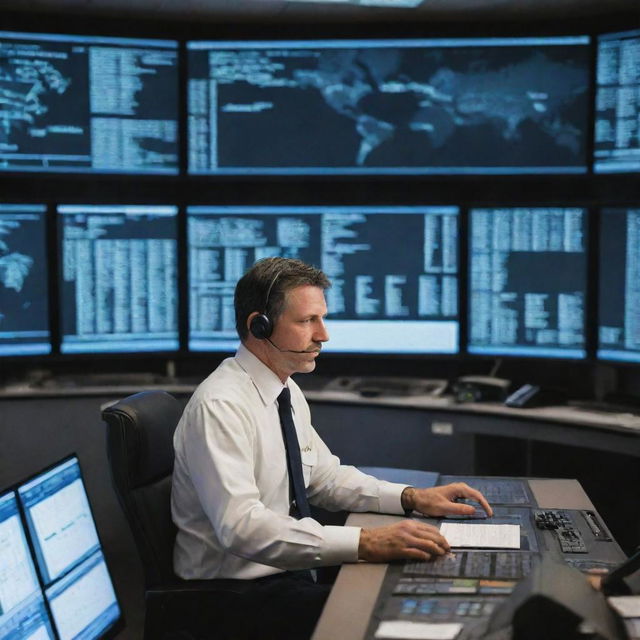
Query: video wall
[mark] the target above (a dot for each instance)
(432, 106)
(395, 273)
(421, 275)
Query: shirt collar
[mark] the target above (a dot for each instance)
(265, 381)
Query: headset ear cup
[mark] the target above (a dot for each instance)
(261, 327)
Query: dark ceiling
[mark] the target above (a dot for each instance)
(265, 11)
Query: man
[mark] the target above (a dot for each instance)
(231, 488)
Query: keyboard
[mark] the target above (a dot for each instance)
(496, 490)
(509, 565)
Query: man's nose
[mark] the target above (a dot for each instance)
(321, 334)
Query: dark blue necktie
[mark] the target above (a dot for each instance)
(294, 463)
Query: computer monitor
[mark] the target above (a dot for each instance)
(619, 291)
(118, 278)
(394, 272)
(74, 103)
(437, 106)
(617, 111)
(77, 585)
(23, 612)
(527, 281)
(24, 306)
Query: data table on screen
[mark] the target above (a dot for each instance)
(619, 299)
(527, 281)
(394, 271)
(119, 278)
(617, 111)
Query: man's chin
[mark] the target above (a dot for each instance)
(307, 367)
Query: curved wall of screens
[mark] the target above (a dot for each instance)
(350, 125)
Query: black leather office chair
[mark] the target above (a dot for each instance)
(140, 449)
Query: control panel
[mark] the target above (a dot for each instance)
(561, 524)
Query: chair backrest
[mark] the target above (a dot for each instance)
(140, 449)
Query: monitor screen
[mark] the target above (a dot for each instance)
(617, 112)
(119, 289)
(24, 301)
(23, 613)
(527, 281)
(77, 584)
(619, 298)
(394, 272)
(88, 104)
(439, 106)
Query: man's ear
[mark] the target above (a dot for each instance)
(250, 317)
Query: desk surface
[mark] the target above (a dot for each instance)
(354, 594)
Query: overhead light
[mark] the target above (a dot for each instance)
(408, 4)
(370, 3)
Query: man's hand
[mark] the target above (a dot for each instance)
(406, 539)
(441, 501)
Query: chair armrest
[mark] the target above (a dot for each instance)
(227, 585)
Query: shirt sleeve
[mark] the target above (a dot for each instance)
(335, 486)
(219, 456)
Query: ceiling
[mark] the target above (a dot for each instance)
(261, 11)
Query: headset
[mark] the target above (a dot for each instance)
(261, 326)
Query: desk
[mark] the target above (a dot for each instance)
(600, 450)
(352, 599)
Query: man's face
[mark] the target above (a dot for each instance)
(300, 327)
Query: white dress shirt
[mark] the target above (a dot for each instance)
(230, 494)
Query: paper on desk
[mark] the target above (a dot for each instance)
(482, 536)
(408, 630)
(626, 606)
